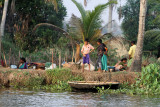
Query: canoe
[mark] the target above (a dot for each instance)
(93, 84)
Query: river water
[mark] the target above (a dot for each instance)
(17, 98)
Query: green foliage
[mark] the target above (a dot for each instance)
(148, 83)
(149, 79)
(130, 14)
(90, 23)
(152, 40)
(28, 13)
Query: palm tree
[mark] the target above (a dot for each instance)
(88, 26)
(137, 60)
(2, 27)
(110, 15)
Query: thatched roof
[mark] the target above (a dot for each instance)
(120, 44)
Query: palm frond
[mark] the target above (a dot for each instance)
(96, 35)
(80, 8)
(152, 39)
(93, 20)
(153, 35)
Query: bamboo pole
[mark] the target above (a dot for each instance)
(52, 59)
(66, 58)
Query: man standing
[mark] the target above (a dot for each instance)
(132, 50)
(85, 51)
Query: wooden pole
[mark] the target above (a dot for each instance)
(59, 59)
(66, 58)
(52, 59)
(73, 56)
(10, 56)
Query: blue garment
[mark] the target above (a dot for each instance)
(86, 59)
(23, 66)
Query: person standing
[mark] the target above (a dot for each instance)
(86, 49)
(132, 50)
(102, 56)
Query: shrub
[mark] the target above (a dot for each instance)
(147, 83)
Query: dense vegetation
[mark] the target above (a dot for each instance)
(146, 84)
(24, 15)
(130, 15)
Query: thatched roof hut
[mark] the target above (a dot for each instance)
(120, 44)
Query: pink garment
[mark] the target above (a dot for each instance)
(86, 49)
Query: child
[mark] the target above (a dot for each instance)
(85, 51)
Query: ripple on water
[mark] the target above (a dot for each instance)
(12, 98)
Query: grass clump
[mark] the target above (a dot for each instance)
(52, 80)
(58, 79)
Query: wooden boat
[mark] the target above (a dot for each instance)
(82, 85)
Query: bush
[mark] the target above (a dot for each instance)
(147, 83)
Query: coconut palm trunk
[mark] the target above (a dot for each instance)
(110, 18)
(77, 56)
(137, 60)
(2, 27)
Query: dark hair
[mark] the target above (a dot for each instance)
(86, 40)
(99, 40)
(23, 59)
(124, 59)
(133, 42)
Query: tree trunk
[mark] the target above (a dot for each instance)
(110, 18)
(137, 60)
(72, 55)
(77, 57)
(2, 27)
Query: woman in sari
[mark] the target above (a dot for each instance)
(102, 56)
(22, 64)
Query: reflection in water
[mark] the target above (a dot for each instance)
(12, 98)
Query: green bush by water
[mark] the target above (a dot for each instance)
(148, 83)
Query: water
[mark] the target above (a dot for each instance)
(12, 98)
